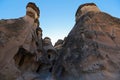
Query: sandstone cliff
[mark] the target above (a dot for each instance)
(91, 51)
(92, 48)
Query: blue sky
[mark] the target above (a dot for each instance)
(57, 17)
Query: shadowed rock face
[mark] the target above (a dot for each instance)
(49, 50)
(91, 51)
(58, 45)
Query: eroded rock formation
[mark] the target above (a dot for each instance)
(91, 51)
(85, 8)
(17, 39)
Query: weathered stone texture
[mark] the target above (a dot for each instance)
(91, 51)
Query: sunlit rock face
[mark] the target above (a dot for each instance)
(85, 8)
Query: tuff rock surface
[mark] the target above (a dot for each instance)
(91, 51)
